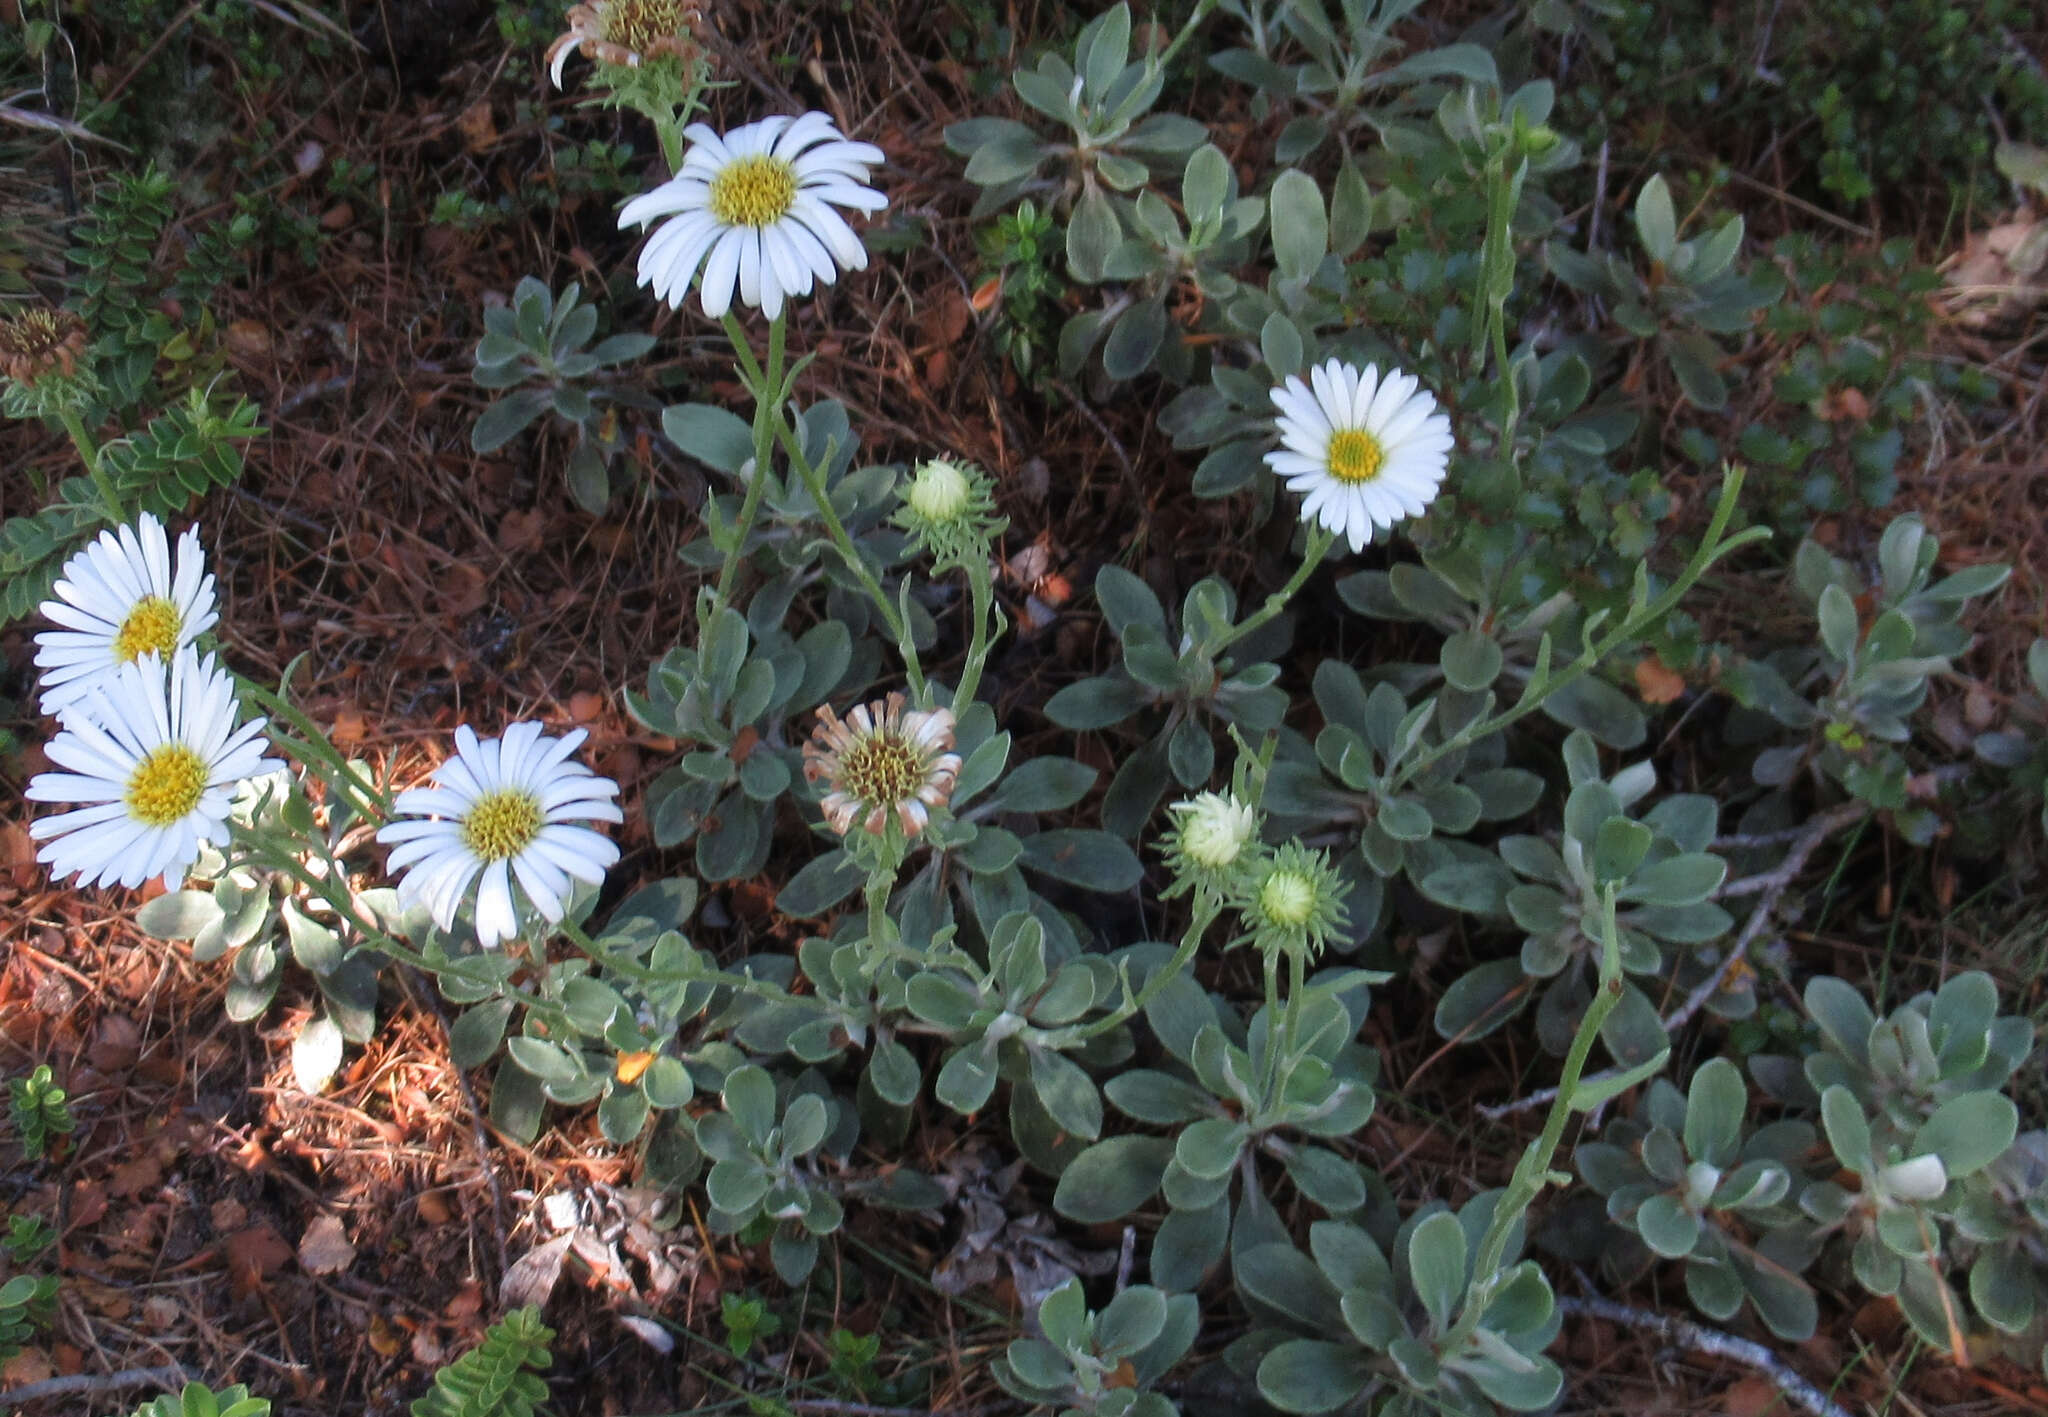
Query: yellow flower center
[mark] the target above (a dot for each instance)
(881, 770)
(151, 628)
(753, 191)
(166, 785)
(1287, 898)
(1355, 455)
(502, 824)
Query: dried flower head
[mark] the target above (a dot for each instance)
(627, 33)
(41, 341)
(881, 762)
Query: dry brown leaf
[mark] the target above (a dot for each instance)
(433, 1208)
(478, 129)
(1752, 1397)
(585, 706)
(116, 1044)
(254, 1254)
(324, 1249)
(1656, 683)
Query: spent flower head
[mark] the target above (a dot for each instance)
(40, 353)
(627, 34)
(1291, 902)
(881, 764)
(152, 759)
(503, 809)
(1214, 841)
(949, 507)
(755, 208)
(1364, 451)
(120, 598)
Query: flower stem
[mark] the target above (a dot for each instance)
(981, 587)
(1532, 1172)
(89, 454)
(1155, 983)
(769, 393)
(842, 541)
(1320, 540)
(1644, 613)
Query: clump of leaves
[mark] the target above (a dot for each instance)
(500, 1377)
(40, 1110)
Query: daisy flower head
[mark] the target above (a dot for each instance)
(1292, 903)
(755, 208)
(626, 33)
(152, 762)
(1214, 839)
(502, 809)
(120, 598)
(1364, 450)
(880, 762)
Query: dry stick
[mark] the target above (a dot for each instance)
(476, 1119)
(1769, 886)
(1702, 1339)
(93, 1383)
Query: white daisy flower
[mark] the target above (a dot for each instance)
(120, 598)
(154, 758)
(502, 807)
(755, 209)
(1366, 451)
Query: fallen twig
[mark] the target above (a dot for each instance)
(1702, 1339)
(81, 1383)
(1768, 886)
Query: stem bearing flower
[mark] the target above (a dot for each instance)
(1364, 450)
(153, 759)
(627, 33)
(502, 809)
(120, 598)
(881, 763)
(755, 208)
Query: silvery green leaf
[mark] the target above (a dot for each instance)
(1619, 847)
(1848, 1130)
(1300, 226)
(1676, 880)
(1350, 211)
(1285, 1280)
(1839, 629)
(1309, 1375)
(1188, 1242)
(1656, 220)
(2002, 1288)
(1112, 1178)
(1842, 1015)
(1436, 1265)
(1158, 1098)
(1327, 1179)
(1067, 1093)
(1715, 1103)
(1471, 660)
(1133, 1319)
(1205, 184)
(1713, 1288)
(1093, 231)
(1967, 1133)
(1481, 1000)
